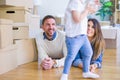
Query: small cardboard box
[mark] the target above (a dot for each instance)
(20, 32)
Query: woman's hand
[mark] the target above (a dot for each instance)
(93, 67)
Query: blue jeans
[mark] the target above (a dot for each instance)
(74, 44)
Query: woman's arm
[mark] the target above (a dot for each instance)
(98, 61)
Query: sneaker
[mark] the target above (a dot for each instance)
(64, 77)
(90, 75)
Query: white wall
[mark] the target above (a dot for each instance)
(52, 7)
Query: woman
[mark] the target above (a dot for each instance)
(98, 45)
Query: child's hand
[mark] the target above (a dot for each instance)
(97, 2)
(93, 6)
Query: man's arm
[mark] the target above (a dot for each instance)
(41, 52)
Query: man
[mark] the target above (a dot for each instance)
(51, 44)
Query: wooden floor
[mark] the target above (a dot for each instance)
(30, 71)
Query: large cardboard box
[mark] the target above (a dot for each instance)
(6, 34)
(25, 51)
(25, 3)
(17, 14)
(8, 58)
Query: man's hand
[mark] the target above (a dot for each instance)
(47, 63)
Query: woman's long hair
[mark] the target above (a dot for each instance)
(98, 42)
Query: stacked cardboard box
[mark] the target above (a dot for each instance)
(26, 49)
(20, 32)
(13, 13)
(17, 14)
(8, 55)
(18, 3)
(6, 35)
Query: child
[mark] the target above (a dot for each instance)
(76, 38)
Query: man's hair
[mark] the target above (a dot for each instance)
(47, 17)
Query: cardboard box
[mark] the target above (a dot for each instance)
(60, 28)
(8, 59)
(59, 20)
(24, 3)
(17, 14)
(25, 51)
(105, 23)
(7, 2)
(6, 34)
(20, 32)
